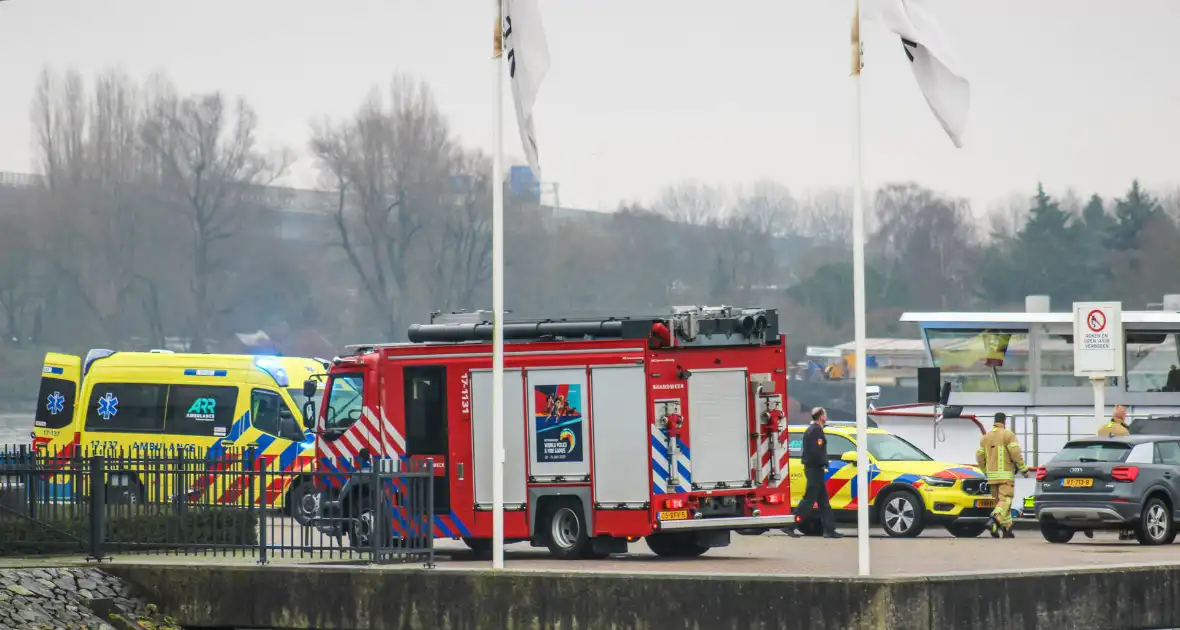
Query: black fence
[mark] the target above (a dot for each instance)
(222, 502)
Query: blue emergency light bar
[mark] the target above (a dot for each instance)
(272, 366)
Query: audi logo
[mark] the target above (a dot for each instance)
(1073, 470)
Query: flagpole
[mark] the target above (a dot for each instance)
(858, 288)
(498, 299)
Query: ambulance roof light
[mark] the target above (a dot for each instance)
(94, 355)
(272, 366)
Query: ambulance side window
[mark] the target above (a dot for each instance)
(126, 408)
(200, 410)
(266, 414)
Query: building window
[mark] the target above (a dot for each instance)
(981, 359)
(1152, 361)
(1057, 363)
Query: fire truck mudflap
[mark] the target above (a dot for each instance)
(666, 428)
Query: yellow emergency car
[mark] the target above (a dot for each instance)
(207, 406)
(908, 490)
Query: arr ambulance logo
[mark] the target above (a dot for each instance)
(202, 409)
(108, 406)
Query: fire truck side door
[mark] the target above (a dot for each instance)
(426, 425)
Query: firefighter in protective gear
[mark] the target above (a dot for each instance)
(1117, 425)
(1000, 459)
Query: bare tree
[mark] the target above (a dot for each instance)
(458, 243)
(208, 167)
(390, 166)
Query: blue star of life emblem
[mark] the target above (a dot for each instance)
(108, 406)
(55, 403)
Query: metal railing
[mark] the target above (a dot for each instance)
(222, 502)
(1028, 428)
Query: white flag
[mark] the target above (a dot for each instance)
(527, 56)
(946, 91)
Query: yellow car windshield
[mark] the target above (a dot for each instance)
(890, 448)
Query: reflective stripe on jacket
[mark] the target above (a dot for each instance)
(999, 455)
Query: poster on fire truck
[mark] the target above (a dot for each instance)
(558, 422)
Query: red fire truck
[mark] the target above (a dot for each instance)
(668, 427)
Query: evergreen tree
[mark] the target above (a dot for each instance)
(1131, 214)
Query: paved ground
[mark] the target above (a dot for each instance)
(775, 554)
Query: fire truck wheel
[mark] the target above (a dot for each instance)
(362, 525)
(677, 545)
(479, 546)
(567, 537)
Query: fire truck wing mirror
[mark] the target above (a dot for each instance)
(683, 374)
(310, 387)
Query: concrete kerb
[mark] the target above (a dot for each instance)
(351, 599)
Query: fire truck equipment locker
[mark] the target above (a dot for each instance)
(622, 474)
(557, 419)
(718, 426)
(481, 434)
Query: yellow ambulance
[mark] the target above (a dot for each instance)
(203, 406)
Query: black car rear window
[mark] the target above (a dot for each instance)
(1093, 452)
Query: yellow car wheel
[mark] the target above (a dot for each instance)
(902, 514)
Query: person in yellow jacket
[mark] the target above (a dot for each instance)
(999, 458)
(1117, 425)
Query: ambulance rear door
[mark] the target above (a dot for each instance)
(53, 422)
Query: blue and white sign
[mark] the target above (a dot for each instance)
(108, 406)
(55, 403)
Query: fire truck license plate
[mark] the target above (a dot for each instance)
(985, 503)
(675, 515)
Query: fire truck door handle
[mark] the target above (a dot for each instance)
(460, 471)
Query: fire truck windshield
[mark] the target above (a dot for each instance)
(343, 402)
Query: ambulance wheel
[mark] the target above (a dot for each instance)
(566, 532)
(675, 545)
(303, 501)
(902, 514)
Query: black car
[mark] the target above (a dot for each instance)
(1129, 482)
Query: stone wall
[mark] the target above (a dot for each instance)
(409, 599)
(77, 598)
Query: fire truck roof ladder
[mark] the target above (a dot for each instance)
(685, 326)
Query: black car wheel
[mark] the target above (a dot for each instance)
(1056, 534)
(1155, 523)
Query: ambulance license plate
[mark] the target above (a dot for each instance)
(1077, 483)
(675, 515)
(984, 503)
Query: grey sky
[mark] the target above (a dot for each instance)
(1078, 93)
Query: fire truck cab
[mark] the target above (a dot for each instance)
(669, 428)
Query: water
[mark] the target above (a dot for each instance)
(15, 427)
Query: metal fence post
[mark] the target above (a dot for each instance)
(262, 508)
(180, 483)
(377, 501)
(428, 517)
(98, 507)
(1036, 441)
